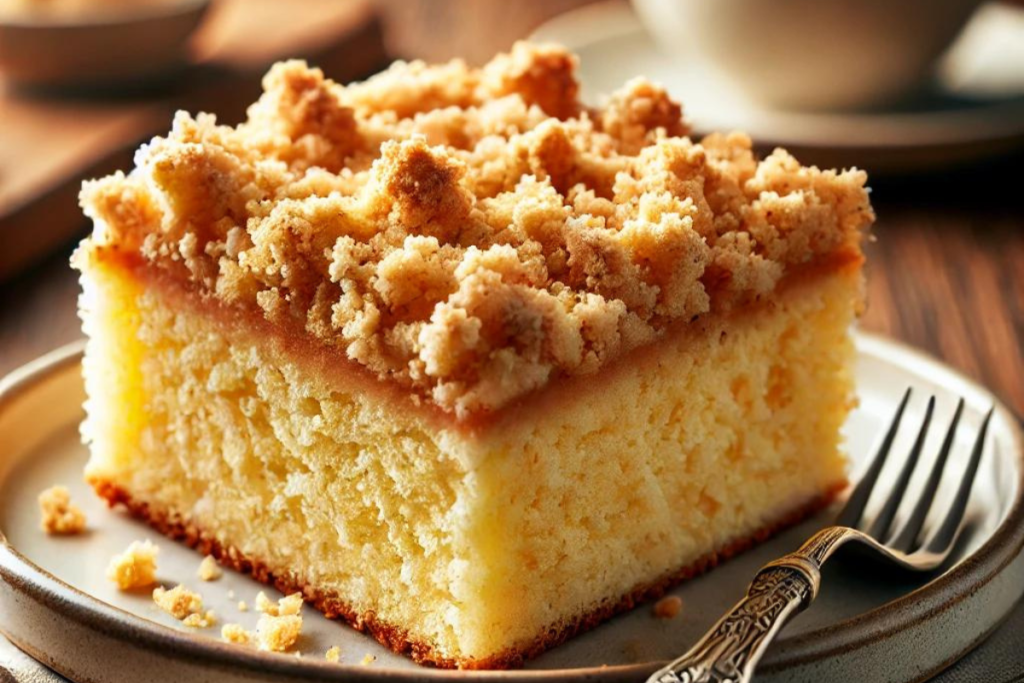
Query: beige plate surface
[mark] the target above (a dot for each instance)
(975, 110)
(56, 604)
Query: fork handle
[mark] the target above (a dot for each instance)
(729, 652)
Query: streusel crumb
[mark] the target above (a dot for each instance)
(135, 567)
(234, 633)
(179, 602)
(59, 515)
(472, 233)
(208, 569)
(668, 607)
(333, 654)
(278, 633)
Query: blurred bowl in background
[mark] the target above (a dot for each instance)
(126, 43)
(813, 54)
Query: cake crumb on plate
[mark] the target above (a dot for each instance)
(59, 515)
(179, 602)
(265, 604)
(333, 654)
(200, 619)
(286, 606)
(242, 606)
(234, 633)
(208, 569)
(368, 659)
(135, 567)
(290, 604)
(668, 607)
(277, 633)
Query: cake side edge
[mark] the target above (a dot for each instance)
(396, 638)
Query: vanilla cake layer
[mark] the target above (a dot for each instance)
(465, 545)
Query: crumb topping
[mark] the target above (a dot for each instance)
(471, 233)
(208, 569)
(179, 602)
(668, 607)
(135, 567)
(59, 515)
(278, 633)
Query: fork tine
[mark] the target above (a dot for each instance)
(880, 527)
(854, 508)
(942, 540)
(907, 538)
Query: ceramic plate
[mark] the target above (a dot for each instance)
(975, 110)
(56, 604)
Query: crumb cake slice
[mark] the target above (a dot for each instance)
(469, 364)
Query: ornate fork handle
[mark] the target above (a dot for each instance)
(729, 652)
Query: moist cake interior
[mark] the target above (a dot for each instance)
(470, 364)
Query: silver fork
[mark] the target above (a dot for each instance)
(783, 588)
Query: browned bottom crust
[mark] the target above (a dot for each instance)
(397, 638)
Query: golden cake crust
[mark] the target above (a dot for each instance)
(471, 234)
(396, 638)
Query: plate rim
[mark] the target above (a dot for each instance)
(941, 593)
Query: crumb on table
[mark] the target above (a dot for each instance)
(243, 606)
(234, 633)
(179, 602)
(668, 607)
(333, 654)
(277, 633)
(208, 569)
(367, 659)
(135, 567)
(59, 515)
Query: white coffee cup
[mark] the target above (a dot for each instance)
(812, 54)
